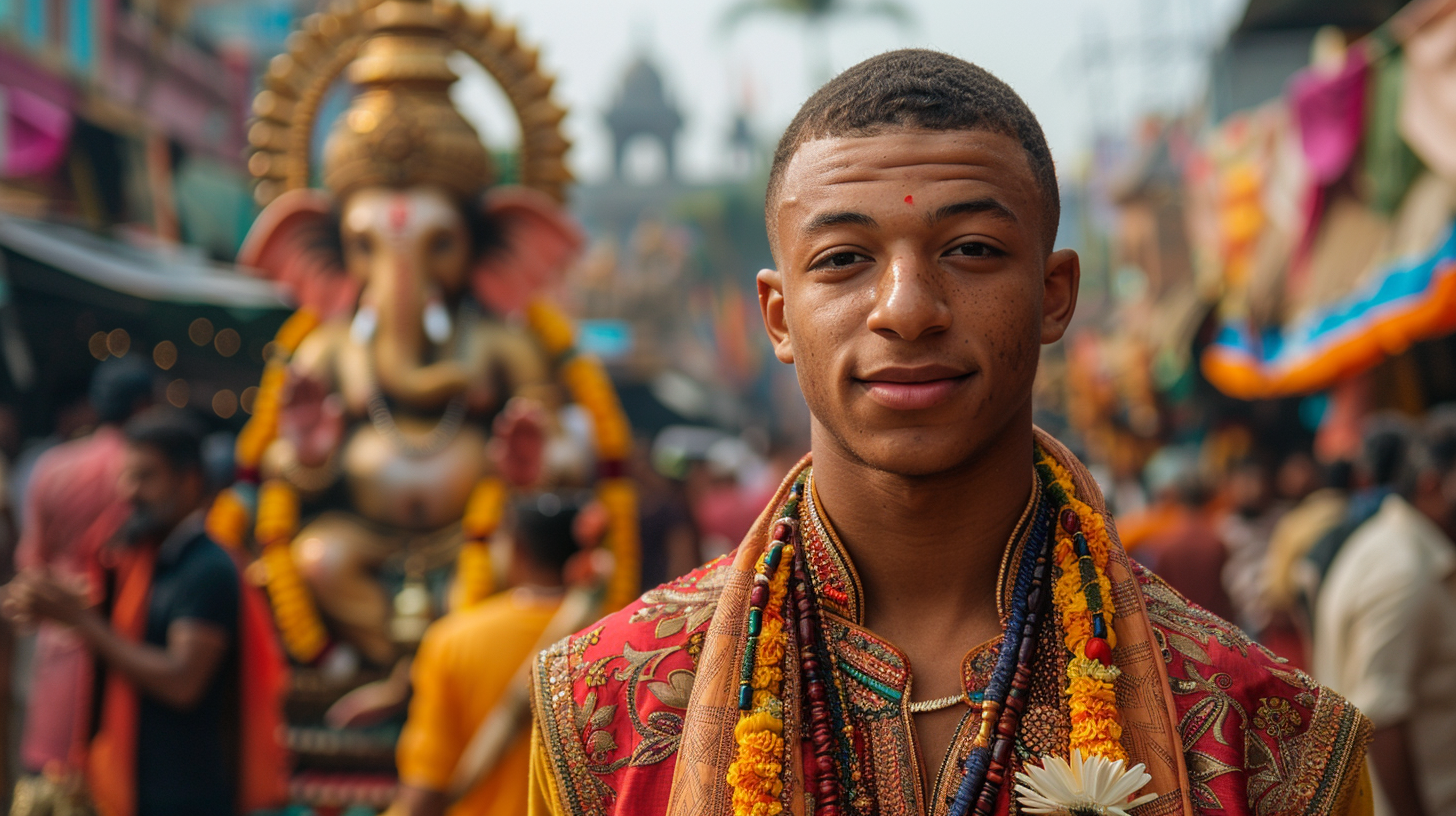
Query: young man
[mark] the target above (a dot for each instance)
(936, 600)
(159, 747)
(1385, 629)
(465, 666)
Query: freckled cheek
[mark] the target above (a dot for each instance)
(1005, 326)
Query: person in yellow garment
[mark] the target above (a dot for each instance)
(934, 614)
(466, 662)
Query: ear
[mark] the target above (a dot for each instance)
(539, 241)
(1059, 296)
(771, 305)
(295, 242)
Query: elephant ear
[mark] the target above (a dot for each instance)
(295, 241)
(538, 242)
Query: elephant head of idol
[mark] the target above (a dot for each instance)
(411, 235)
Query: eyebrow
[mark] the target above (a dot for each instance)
(824, 221)
(976, 206)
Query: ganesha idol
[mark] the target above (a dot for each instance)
(424, 376)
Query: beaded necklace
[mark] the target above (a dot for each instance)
(783, 604)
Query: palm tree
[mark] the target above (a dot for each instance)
(815, 16)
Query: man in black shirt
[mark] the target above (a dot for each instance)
(169, 642)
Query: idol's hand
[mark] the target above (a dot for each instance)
(312, 418)
(519, 446)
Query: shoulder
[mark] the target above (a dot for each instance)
(610, 699)
(207, 557)
(205, 572)
(1255, 729)
(1394, 549)
(495, 620)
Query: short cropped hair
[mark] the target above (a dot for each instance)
(545, 526)
(174, 433)
(1438, 440)
(919, 89)
(1386, 451)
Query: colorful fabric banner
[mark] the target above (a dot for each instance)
(1410, 302)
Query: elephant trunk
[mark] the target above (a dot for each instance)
(400, 343)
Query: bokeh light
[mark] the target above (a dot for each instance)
(225, 403)
(118, 342)
(228, 342)
(97, 346)
(200, 332)
(246, 400)
(165, 355)
(178, 393)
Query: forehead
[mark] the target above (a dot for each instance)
(868, 170)
(411, 209)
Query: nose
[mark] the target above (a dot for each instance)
(910, 299)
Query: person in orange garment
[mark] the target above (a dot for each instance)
(467, 660)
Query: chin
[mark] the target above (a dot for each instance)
(914, 452)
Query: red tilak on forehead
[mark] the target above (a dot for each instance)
(909, 199)
(398, 213)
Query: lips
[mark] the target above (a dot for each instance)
(913, 388)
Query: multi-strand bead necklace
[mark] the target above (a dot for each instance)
(1065, 531)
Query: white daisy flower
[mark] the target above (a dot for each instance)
(1092, 787)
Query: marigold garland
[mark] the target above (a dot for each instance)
(474, 573)
(298, 620)
(1082, 597)
(756, 772)
(227, 520)
(591, 388)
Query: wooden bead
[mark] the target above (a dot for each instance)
(1098, 650)
(758, 598)
(1070, 522)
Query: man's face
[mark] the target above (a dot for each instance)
(159, 495)
(914, 292)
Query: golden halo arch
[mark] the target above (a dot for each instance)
(286, 110)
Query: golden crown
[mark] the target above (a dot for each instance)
(401, 129)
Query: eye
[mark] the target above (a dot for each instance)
(841, 260)
(976, 249)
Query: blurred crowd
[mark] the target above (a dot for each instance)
(101, 639)
(1347, 569)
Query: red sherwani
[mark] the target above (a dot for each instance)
(1222, 725)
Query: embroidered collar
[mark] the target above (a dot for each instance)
(833, 573)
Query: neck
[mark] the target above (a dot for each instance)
(526, 573)
(928, 549)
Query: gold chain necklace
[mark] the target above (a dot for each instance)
(938, 704)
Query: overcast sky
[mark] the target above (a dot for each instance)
(1080, 64)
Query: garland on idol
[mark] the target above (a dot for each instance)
(271, 507)
(1067, 532)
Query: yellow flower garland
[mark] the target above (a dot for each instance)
(591, 388)
(474, 573)
(1096, 730)
(755, 774)
(298, 620)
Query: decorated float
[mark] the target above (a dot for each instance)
(425, 376)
